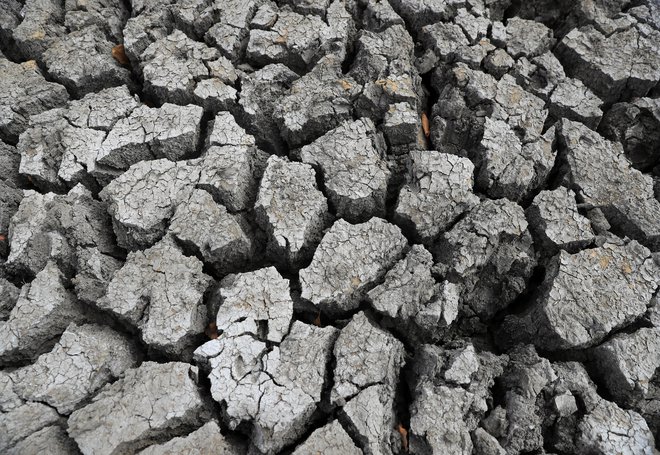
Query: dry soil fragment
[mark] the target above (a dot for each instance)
(170, 131)
(151, 401)
(438, 190)
(43, 311)
(628, 362)
(348, 261)
(143, 199)
(317, 102)
(598, 171)
(291, 209)
(25, 92)
(277, 389)
(52, 440)
(332, 439)
(202, 441)
(366, 355)
(350, 159)
(555, 220)
(82, 61)
(160, 290)
(625, 62)
(250, 300)
(490, 253)
(85, 358)
(21, 422)
(587, 295)
(224, 240)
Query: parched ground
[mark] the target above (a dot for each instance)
(329, 227)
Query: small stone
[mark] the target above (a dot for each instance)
(565, 404)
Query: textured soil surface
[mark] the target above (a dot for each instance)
(330, 227)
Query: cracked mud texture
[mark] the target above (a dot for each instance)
(378, 227)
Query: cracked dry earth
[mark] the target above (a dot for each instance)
(330, 227)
